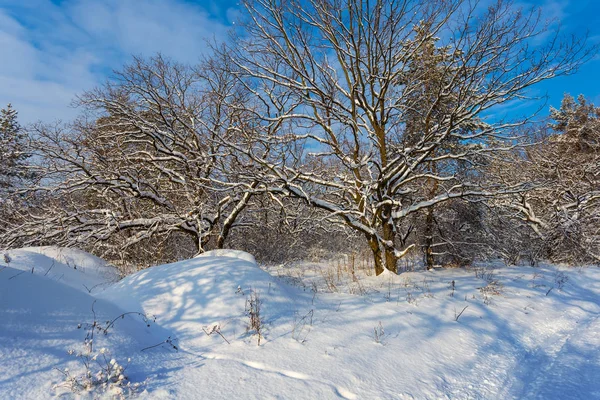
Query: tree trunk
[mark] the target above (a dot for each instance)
(429, 222)
(201, 241)
(377, 256)
(428, 249)
(230, 220)
(383, 257)
(389, 235)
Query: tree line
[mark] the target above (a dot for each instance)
(323, 124)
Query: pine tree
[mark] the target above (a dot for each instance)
(571, 161)
(427, 104)
(13, 154)
(562, 211)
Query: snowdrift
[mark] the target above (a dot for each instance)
(207, 291)
(39, 319)
(72, 267)
(242, 255)
(488, 333)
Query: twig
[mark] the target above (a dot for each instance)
(215, 329)
(458, 316)
(168, 341)
(49, 269)
(14, 276)
(122, 316)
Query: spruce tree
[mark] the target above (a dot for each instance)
(13, 154)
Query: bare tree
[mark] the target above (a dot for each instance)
(144, 163)
(336, 93)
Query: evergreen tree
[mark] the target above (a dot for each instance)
(13, 154)
(428, 102)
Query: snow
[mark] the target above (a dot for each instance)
(199, 293)
(525, 332)
(242, 255)
(73, 267)
(38, 325)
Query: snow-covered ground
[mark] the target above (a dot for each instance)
(327, 331)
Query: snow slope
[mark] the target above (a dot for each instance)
(73, 267)
(531, 333)
(42, 303)
(200, 293)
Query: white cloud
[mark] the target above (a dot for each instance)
(178, 30)
(555, 9)
(52, 53)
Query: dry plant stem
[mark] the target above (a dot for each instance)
(456, 317)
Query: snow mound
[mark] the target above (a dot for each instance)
(71, 267)
(207, 291)
(242, 255)
(39, 324)
(486, 333)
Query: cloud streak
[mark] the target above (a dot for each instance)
(51, 53)
(53, 50)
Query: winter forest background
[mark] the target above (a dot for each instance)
(323, 127)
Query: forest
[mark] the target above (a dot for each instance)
(377, 190)
(323, 127)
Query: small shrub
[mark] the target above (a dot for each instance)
(7, 259)
(168, 341)
(215, 329)
(457, 315)
(411, 299)
(534, 280)
(493, 288)
(329, 278)
(388, 295)
(484, 273)
(378, 333)
(302, 326)
(253, 311)
(357, 288)
(560, 279)
(101, 374)
(426, 290)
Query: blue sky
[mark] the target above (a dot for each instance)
(53, 50)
